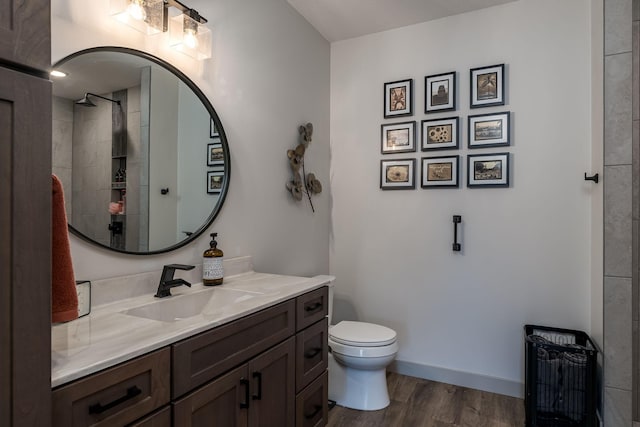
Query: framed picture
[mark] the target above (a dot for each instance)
(440, 134)
(439, 172)
(213, 129)
(398, 138)
(440, 92)
(397, 174)
(488, 170)
(214, 181)
(487, 86)
(489, 130)
(215, 155)
(398, 98)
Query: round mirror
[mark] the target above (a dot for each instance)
(140, 151)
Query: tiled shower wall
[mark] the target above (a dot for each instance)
(621, 119)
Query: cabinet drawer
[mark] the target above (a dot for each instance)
(116, 396)
(201, 358)
(311, 307)
(162, 418)
(311, 353)
(311, 405)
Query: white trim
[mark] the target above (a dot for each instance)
(459, 378)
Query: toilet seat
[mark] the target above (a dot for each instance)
(362, 334)
(363, 352)
(361, 339)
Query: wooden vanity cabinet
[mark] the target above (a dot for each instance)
(266, 369)
(258, 393)
(25, 34)
(115, 396)
(312, 357)
(161, 418)
(25, 213)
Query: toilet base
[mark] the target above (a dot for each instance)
(365, 390)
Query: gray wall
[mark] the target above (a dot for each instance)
(92, 134)
(620, 117)
(62, 139)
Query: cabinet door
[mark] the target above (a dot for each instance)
(273, 387)
(25, 249)
(25, 35)
(312, 358)
(221, 403)
(312, 403)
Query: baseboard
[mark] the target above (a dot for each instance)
(459, 378)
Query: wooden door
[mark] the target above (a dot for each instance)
(25, 36)
(221, 403)
(273, 387)
(25, 249)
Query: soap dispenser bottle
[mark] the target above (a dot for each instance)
(212, 272)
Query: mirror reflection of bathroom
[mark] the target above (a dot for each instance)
(128, 147)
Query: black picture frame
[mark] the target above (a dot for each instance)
(440, 134)
(489, 130)
(398, 138)
(215, 182)
(213, 129)
(397, 174)
(398, 98)
(215, 154)
(487, 88)
(440, 172)
(440, 92)
(494, 171)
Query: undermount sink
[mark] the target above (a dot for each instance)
(179, 307)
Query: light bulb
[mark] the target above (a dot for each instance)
(136, 10)
(190, 38)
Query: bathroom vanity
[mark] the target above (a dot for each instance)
(254, 354)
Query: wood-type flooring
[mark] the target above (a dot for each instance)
(416, 402)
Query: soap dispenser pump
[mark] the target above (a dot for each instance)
(212, 272)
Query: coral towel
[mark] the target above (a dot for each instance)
(64, 297)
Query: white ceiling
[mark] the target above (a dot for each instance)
(343, 19)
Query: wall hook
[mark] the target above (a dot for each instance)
(457, 219)
(593, 178)
(164, 191)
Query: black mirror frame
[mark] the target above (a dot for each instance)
(212, 113)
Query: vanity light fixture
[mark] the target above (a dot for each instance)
(189, 36)
(146, 16)
(187, 32)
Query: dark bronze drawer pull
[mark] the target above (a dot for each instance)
(245, 383)
(313, 307)
(312, 415)
(312, 353)
(258, 376)
(98, 408)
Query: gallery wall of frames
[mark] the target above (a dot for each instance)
(441, 133)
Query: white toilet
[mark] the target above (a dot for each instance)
(359, 355)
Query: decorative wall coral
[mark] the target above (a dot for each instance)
(302, 183)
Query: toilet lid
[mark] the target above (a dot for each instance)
(361, 334)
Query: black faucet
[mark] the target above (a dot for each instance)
(167, 281)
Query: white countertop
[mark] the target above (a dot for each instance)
(107, 337)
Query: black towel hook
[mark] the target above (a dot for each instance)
(457, 219)
(593, 178)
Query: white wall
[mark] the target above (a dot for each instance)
(268, 75)
(193, 139)
(526, 254)
(163, 159)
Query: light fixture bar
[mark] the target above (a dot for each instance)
(193, 14)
